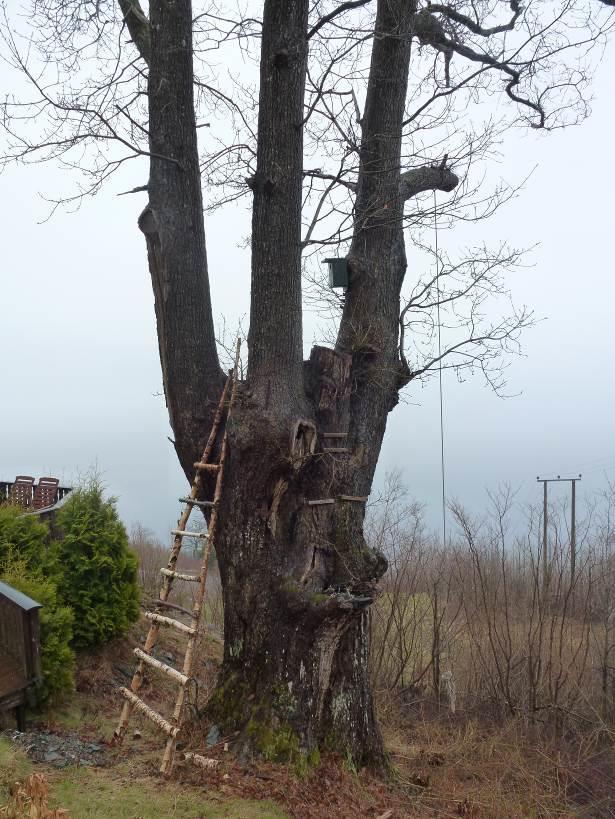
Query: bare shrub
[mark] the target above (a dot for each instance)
(479, 626)
(153, 555)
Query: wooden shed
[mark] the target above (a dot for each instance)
(20, 664)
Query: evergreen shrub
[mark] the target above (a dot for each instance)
(93, 566)
(23, 536)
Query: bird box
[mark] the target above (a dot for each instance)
(338, 272)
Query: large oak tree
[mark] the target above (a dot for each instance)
(363, 110)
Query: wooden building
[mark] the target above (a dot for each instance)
(20, 664)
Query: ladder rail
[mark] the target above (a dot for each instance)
(197, 611)
(196, 485)
(131, 700)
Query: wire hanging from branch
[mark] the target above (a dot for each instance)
(442, 469)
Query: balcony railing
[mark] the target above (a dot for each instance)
(25, 497)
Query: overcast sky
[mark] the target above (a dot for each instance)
(80, 375)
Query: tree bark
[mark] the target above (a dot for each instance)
(175, 234)
(275, 339)
(297, 578)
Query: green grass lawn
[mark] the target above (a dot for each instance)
(89, 793)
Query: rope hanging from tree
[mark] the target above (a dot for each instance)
(439, 324)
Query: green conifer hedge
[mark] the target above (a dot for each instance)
(93, 566)
(22, 536)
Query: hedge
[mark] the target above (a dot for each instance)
(94, 568)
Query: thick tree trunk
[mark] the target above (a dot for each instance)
(275, 339)
(297, 577)
(174, 230)
(297, 580)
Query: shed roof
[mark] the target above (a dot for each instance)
(22, 600)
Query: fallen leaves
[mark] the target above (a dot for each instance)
(28, 800)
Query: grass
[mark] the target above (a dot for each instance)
(99, 793)
(127, 788)
(467, 767)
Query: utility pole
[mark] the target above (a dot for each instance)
(573, 528)
(544, 554)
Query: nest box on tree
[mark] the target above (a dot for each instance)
(338, 272)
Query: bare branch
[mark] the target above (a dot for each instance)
(138, 26)
(351, 4)
(473, 26)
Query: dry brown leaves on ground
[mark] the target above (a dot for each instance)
(330, 790)
(28, 800)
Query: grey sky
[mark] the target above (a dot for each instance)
(79, 364)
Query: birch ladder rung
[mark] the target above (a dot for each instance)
(191, 578)
(154, 716)
(337, 449)
(203, 467)
(185, 533)
(146, 658)
(166, 605)
(203, 504)
(201, 761)
(161, 620)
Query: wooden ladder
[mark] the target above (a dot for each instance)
(144, 656)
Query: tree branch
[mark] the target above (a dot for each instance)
(427, 178)
(352, 4)
(429, 31)
(138, 26)
(412, 182)
(472, 25)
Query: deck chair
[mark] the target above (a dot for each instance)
(45, 492)
(21, 491)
